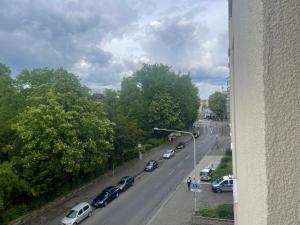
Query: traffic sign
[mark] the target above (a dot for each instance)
(196, 187)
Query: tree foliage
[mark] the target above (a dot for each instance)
(217, 103)
(153, 92)
(53, 131)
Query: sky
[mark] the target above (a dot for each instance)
(103, 41)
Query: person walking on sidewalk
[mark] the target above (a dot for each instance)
(189, 181)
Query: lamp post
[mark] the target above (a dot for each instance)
(189, 133)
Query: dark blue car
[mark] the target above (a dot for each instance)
(107, 195)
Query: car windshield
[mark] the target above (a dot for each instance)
(72, 214)
(203, 173)
(121, 182)
(150, 163)
(220, 180)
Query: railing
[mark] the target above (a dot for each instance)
(210, 221)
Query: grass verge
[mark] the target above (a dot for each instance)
(224, 211)
(225, 166)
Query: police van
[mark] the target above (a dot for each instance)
(223, 184)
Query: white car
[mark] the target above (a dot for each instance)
(77, 214)
(169, 154)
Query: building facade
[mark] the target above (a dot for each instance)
(264, 52)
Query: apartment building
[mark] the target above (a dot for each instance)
(264, 52)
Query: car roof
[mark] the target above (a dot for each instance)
(228, 177)
(108, 188)
(80, 206)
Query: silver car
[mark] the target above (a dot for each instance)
(77, 214)
(169, 154)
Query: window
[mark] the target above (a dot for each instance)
(225, 182)
(86, 207)
(80, 212)
(231, 182)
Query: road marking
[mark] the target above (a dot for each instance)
(179, 164)
(187, 157)
(171, 172)
(161, 206)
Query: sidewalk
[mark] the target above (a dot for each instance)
(52, 213)
(179, 206)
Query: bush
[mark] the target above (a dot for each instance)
(224, 211)
(225, 166)
(148, 146)
(155, 142)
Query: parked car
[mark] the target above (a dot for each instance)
(180, 145)
(125, 183)
(106, 196)
(196, 134)
(151, 165)
(169, 154)
(205, 174)
(77, 214)
(224, 183)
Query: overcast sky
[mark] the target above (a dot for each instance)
(104, 40)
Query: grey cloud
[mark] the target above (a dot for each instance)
(174, 39)
(57, 33)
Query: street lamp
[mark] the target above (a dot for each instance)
(189, 133)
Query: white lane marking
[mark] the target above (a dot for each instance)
(187, 157)
(161, 206)
(179, 164)
(171, 172)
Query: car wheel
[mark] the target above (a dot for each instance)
(218, 190)
(105, 203)
(90, 214)
(75, 223)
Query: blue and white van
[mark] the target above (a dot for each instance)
(224, 183)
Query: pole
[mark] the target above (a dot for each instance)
(195, 200)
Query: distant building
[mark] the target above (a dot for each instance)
(203, 104)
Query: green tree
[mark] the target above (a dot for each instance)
(151, 82)
(63, 132)
(127, 136)
(11, 103)
(217, 103)
(164, 112)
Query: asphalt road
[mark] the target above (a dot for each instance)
(137, 205)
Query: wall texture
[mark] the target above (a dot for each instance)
(281, 37)
(264, 43)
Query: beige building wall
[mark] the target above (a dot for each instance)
(265, 110)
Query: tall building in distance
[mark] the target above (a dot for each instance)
(264, 52)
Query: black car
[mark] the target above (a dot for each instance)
(151, 165)
(180, 145)
(107, 195)
(196, 134)
(125, 183)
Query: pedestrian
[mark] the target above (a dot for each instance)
(189, 181)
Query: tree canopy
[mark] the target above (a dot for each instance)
(54, 131)
(217, 103)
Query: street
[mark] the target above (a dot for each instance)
(137, 205)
